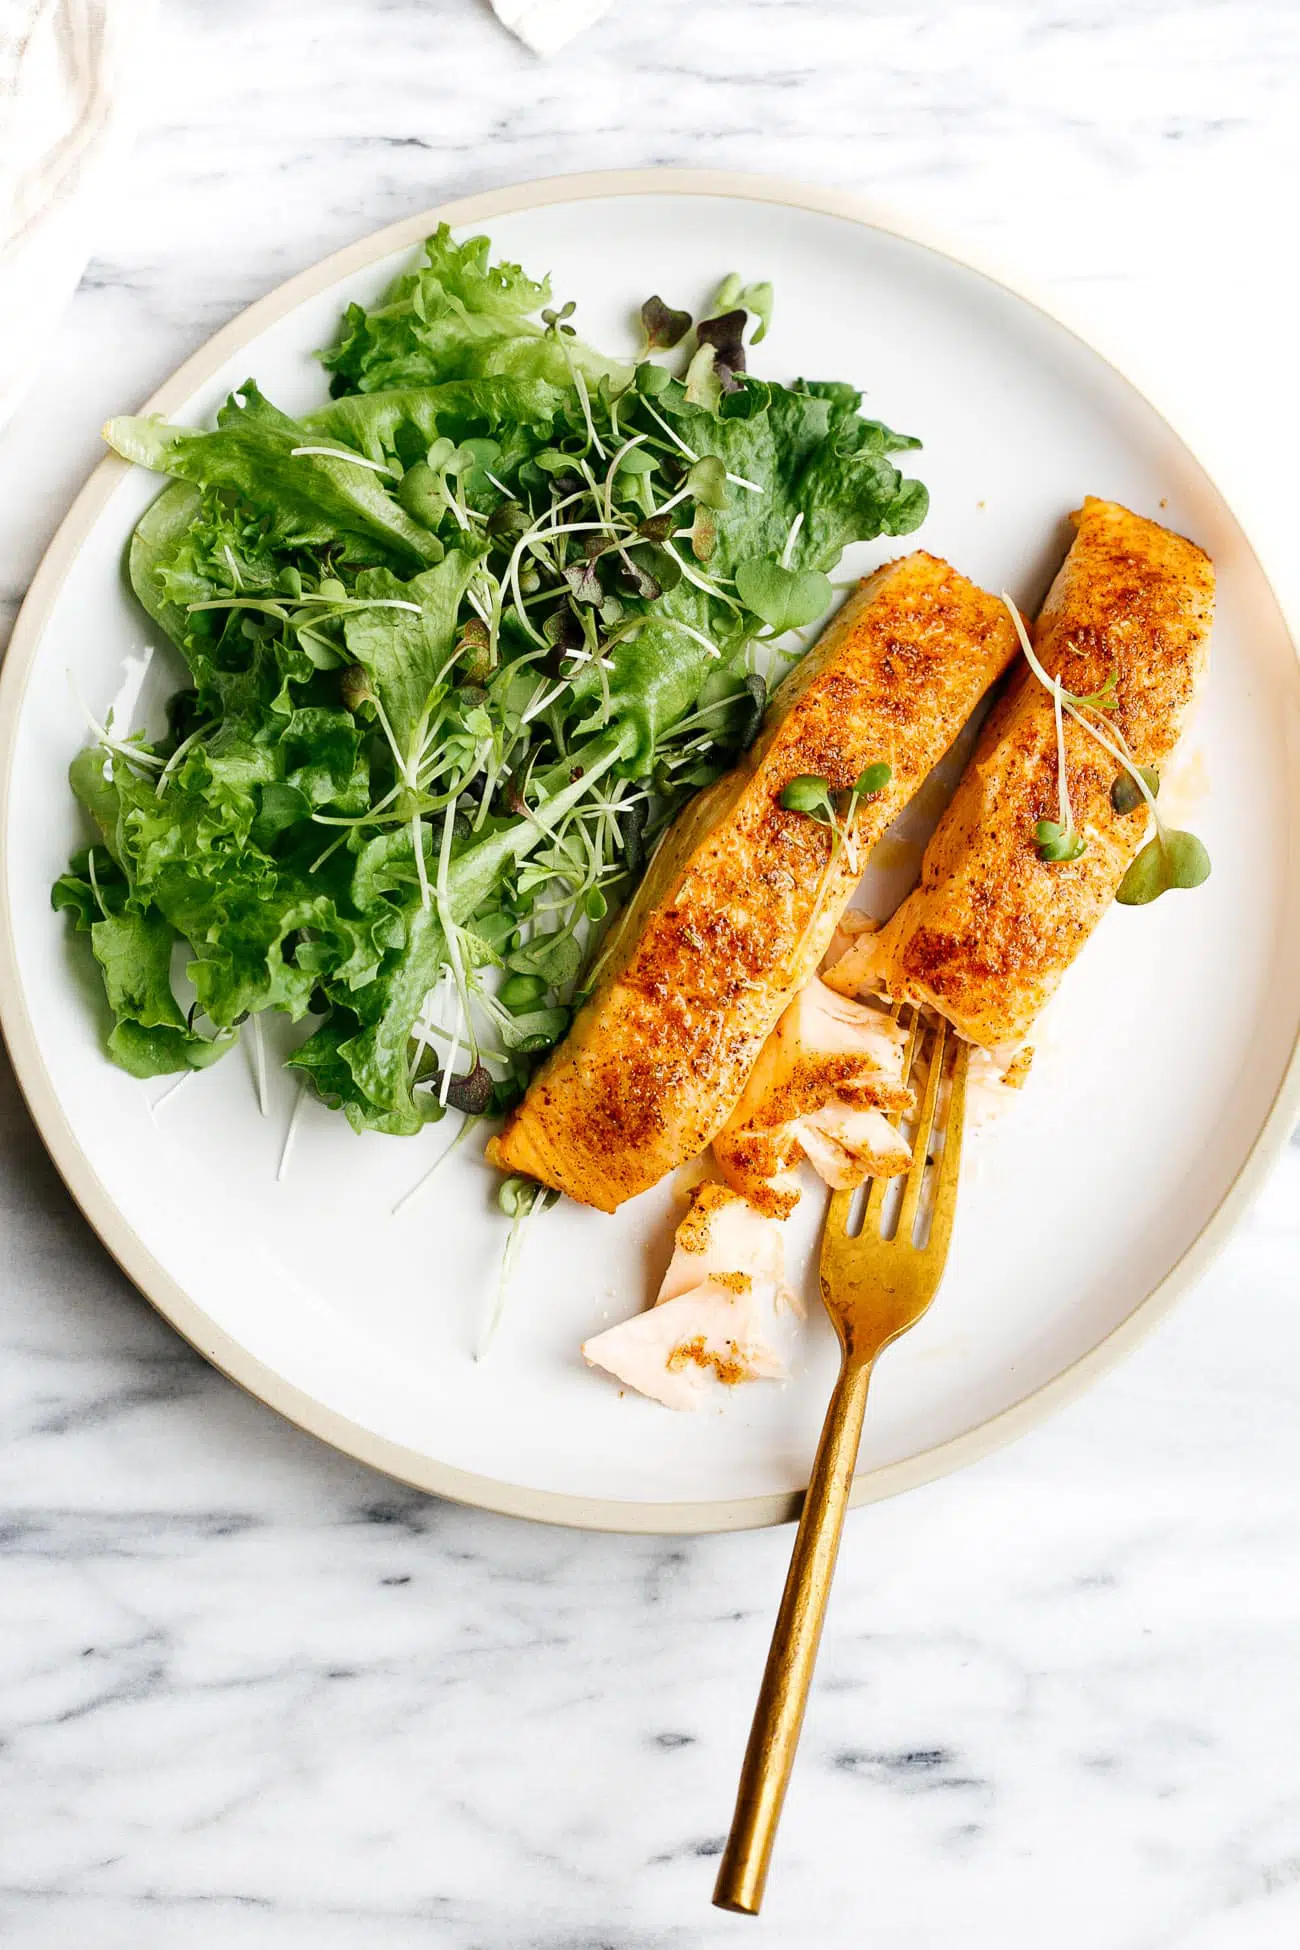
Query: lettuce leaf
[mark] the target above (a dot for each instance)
(816, 459)
(405, 653)
(307, 498)
(458, 316)
(401, 424)
(149, 1036)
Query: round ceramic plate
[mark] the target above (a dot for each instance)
(1165, 1083)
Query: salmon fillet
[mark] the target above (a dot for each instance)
(738, 905)
(991, 928)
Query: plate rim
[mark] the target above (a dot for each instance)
(152, 1279)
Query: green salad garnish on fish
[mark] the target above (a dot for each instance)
(459, 644)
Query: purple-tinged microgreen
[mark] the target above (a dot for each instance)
(469, 1091)
(581, 576)
(638, 577)
(726, 335)
(657, 527)
(663, 327)
(753, 298)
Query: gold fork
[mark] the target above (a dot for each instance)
(874, 1288)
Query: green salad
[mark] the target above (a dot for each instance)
(459, 644)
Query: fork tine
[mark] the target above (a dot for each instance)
(879, 1186)
(945, 1187)
(913, 1036)
(921, 1140)
(839, 1211)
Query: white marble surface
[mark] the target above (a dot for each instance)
(256, 1698)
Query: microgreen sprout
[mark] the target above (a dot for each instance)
(518, 1199)
(663, 327)
(467, 1126)
(295, 1115)
(724, 335)
(1170, 858)
(811, 795)
(557, 321)
(133, 750)
(186, 745)
(342, 453)
(872, 779)
(1126, 795)
(1058, 839)
(754, 298)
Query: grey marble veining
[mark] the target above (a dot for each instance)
(253, 1697)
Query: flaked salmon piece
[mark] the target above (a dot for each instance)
(720, 1236)
(994, 1079)
(991, 928)
(852, 924)
(822, 1088)
(845, 1147)
(742, 898)
(676, 1351)
(709, 1325)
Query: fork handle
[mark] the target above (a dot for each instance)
(778, 1716)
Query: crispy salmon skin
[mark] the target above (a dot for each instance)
(991, 928)
(743, 896)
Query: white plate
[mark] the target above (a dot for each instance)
(1166, 1083)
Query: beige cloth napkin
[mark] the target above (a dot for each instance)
(69, 73)
(547, 25)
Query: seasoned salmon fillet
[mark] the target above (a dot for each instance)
(741, 899)
(991, 928)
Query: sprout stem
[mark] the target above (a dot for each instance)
(259, 1062)
(292, 1131)
(467, 1125)
(345, 453)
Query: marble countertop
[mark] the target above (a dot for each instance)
(255, 1698)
